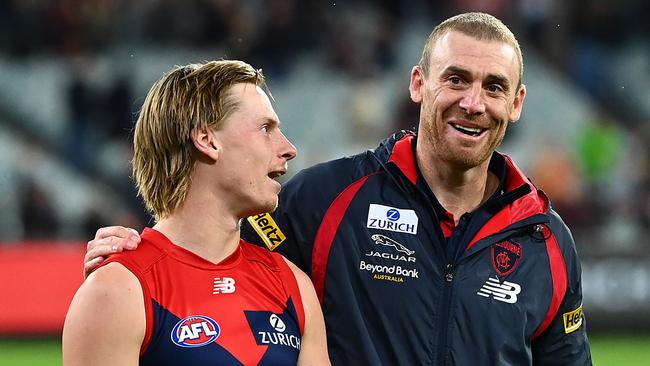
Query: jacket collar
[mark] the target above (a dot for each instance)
(523, 199)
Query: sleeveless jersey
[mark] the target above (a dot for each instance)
(245, 310)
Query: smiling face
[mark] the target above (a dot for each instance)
(252, 152)
(467, 98)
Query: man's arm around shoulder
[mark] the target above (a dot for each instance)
(106, 322)
(313, 345)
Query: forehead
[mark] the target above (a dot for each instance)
(253, 107)
(250, 96)
(480, 56)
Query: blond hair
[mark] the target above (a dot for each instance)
(187, 98)
(477, 25)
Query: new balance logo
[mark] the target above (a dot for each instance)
(506, 291)
(223, 285)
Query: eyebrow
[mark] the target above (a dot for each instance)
(451, 70)
(271, 121)
(499, 79)
(491, 78)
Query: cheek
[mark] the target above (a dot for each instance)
(507, 107)
(434, 104)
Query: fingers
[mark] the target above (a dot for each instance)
(91, 265)
(117, 231)
(108, 240)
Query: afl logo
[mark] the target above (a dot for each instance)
(392, 214)
(195, 331)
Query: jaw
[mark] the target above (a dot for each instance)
(460, 150)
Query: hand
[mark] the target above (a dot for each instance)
(108, 240)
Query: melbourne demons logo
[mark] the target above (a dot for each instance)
(505, 257)
(195, 331)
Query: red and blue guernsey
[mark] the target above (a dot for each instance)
(245, 310)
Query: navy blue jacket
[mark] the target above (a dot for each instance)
(503, 289)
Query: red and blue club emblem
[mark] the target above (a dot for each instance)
(505, 257)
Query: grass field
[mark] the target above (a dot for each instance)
(606, 351)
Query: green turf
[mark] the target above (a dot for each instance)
(606, 351)
(30, 352)
(620, 350)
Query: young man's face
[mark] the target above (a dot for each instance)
(254, 152)
(467, 98)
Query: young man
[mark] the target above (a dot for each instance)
(434, 248)
(208, 148)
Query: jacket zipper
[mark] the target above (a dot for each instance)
(453, 253)
(444, 314)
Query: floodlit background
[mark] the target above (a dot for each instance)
(73, 75)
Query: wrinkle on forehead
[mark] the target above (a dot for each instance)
(486, 57)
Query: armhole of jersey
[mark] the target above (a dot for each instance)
(290, 284)
(559, 278)
(146, 294)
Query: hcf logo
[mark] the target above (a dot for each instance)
(195, 331)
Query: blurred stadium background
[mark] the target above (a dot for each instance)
(73, 75)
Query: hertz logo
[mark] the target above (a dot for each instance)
(572, 320)
(267, 229)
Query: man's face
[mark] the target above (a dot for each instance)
(253, 153)
(467, 98)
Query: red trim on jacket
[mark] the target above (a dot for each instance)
(402, 156)
(559, 276)
(535, 202)
(514, 177)
(326, 233)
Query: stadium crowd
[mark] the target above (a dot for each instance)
(601, 183)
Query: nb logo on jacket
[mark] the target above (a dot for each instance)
(506, 291)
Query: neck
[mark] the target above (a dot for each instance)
(201, 227)
(459, 190)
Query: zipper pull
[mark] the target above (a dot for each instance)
(449, 272)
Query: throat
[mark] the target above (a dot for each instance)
(464, 196)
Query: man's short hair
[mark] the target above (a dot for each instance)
(187, 98)
(477, 25)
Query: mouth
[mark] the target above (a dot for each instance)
(469, 131)
(276, 174)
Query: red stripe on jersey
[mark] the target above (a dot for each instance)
(326, 232)
(290, 281)
(559, 276)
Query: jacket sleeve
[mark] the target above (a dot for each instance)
(565, 340)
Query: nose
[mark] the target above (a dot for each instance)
(472, 100)
(287, 149)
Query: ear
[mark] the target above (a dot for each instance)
(206, 142)
(416, 84)
(517, 104)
